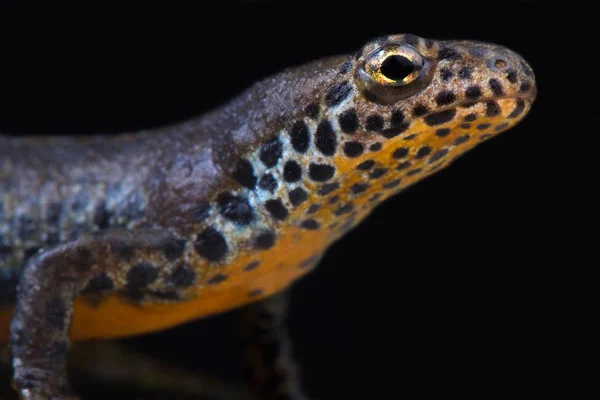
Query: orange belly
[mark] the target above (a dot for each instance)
(278, 268)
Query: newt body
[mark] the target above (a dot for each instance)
(145, 230)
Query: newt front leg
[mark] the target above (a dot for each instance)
(134, 262)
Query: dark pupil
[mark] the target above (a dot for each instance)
(397, 68)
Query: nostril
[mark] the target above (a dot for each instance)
(499, 63)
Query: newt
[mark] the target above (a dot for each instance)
(105, 236)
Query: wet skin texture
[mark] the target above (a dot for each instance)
(112, 236)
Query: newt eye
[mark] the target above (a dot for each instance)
(394, 65)
(393, 72)
(397, 68)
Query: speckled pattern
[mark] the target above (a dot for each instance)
(147, 230)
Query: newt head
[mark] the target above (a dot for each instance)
(410, 106)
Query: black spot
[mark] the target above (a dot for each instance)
(496, 87)
(268, 182)
(377, 173)
(252, 265)
(348, 121)
(200, 212)
(141, 275)
(255, 292)
(397, 118)
(217, 279)
(310, 224)
(365, 165)
(346, 208)
(328, 188)
(518, 109)
(271, 152)
(395, 131)
(423, 151)
(470, 117)
(492, 108)
(511, 76)
(300, 137)
(442, 132)
(465, 73)
(353, 149)
(333, 200)
(297, 196)
(485, 136)
(411, 39)
(313, 208)
(337, 94)
(445, 97)
(413, 172)
(359, 188)
(374, 123)
(375, 147)
(468, 104)
(445, 74)
(321, 172)
(346, 67)
(99, 283)
(420, 110)
(399, 153)
(235, 208)
(483, 127)
(28, 253)
(173, 248)
(312, 110)
(473, 92)
(448, 53)
(441, 117)
(292, 171)
(325, 138)
(403, 165)
(244, 174)
(391, 184)
(461, 139)
(437, 155)
(26, 227)
(265, 240)
(276, 209)
(211, 244)
(501, 127)
(525, 87)
(56, 313)
(182, 276)
(100, 215)
(465, 126)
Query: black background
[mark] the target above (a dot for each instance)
(442, 288)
